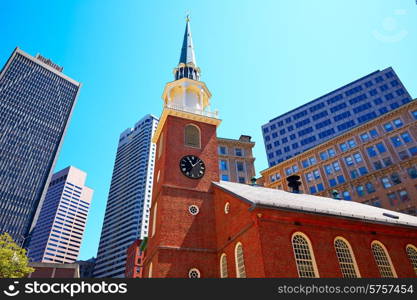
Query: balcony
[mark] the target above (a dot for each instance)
(202, 112)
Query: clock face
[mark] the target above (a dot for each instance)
(192, 166)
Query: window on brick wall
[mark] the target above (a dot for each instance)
(383, 261)
(370, 187)
(395, 178)
(412, 172)
(192, 136)
(223, 266)
(393, 199)
(240, 262)
(386, 182)
(403, 195)
(346, 258)
(346, 195)
(238, 151)
(304, 256)
(412, 256)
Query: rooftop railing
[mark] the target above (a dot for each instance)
(211, 114)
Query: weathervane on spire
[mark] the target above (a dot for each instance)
(187, 18)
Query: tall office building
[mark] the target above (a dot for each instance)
(59, 230)
(375, 164)
(332, 114)
(36, 103)
(127, 212)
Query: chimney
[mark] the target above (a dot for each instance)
(294, 183)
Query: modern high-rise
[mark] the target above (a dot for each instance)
(36, 103)
(333, 114)
(374, 164)
(127, 212)
(59, 229)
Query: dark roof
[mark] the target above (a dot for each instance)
(187, 50)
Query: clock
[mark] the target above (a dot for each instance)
(192, 166)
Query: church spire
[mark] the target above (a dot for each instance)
(187, 51)
(187, 66)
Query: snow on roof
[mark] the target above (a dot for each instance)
(310, 203)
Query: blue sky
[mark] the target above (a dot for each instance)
(259, 59)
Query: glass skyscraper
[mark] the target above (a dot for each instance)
(36, 103)
(127, 212)
(332, 114)
(59, 230)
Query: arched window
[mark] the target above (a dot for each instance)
(304, 256)
(346, 258)
(223, 266)
(383, 261)
(227, 208)
(412, 255)
(192, 136)
(154, 219)
(240, 262)
(150, 271)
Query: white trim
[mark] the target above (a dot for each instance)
(194, 270)
(376, 242)
(310, 247)
(352, 254)
(238, 273)
(199, 135)
(227, 208)
(190, 210)
(413, 263)
(150, 270)
(223, 272)
(154, 219)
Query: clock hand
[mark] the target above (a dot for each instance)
(196, 163)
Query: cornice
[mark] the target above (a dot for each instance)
(184, 115)
(236, 142)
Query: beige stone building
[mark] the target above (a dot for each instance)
(375, 163)
(236, 162)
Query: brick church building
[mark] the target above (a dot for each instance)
(203, 227)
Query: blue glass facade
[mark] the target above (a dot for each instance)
(36, 101)
(332, 114)
(127, 210)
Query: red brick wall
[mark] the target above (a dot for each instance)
(48, 272)
(170, 263)
(267, 244)
(239, 225)
(176, 228)
(64, 273)
(133, 260)
(42, 273)
(322, 230)
(174, 150)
